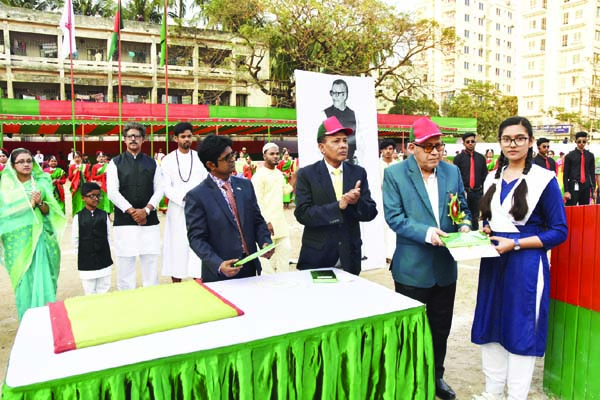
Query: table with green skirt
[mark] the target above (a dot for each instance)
(297, 339)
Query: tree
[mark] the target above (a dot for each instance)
(484, 102)
(39, 5)
(421, 106)
(143, 10)
(345, 37)
(93, 7)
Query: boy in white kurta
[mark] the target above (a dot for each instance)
(181, 171)
(270, 186)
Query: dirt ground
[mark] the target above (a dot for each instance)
(463, 366)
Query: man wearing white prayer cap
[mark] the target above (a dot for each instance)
(270, 186)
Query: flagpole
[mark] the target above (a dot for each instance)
(166, 80)
(70, 22)
(120, 100)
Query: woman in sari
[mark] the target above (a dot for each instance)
(31, 222)
(59, 178)
(286, 166)
(99, 176)
(79, 173)
(3, 160)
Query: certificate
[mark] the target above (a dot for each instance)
(255, 255)
(469, 245)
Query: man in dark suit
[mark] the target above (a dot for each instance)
(473, 170)
(578, 173)
(332, 197)
(416, 197)
(542, 158)
(223, 219)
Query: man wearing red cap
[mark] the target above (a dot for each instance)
(332, 197)
(416, 197)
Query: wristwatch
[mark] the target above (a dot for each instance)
(517, 245)
(147, 210)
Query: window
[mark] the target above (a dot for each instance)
(565, 40)
(577, 37)
(597, 12)
(497, 86)
(544, 3)
(467, 2)
(466, 33)
(480, 37)
(480, 52)
(509, 59)
(576, 59)
(573, 101)
(497, 26)
(509, 44)
(509, 74)
(578, 14)
(480, 68)
(241, 100)
(497, 42)
(497, 11)
(497, 56)
(466, 65)
(480, 21)
(543, 24)
(532, 3)
(531, 65)
(573, 81)
(497, 71)
(467, 17)
(565, 18)
(532, 24)
(530, 105)
(509, 13)
(531, 44)
(481, 6)
(530, 85)
(509, 29)
(597, 35)
(543, 44)
(466, 50)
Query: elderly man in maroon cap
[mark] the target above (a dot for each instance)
(332, 197)
(417, 197)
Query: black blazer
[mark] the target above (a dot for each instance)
(330, 233)
(213, 233)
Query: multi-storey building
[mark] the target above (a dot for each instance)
(202, 64)
(560, 60)
(485, 49)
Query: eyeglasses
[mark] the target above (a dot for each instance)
(582, 141)
(428, 148)
(95, 196)
(518, 141)
(227, 158)
(30, 161)
(469, 141)
(133, 137)
(544, 146)
(333, 93)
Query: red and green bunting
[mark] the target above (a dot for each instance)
(52, 116)
(572, 362)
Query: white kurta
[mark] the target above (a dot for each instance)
(133, 240)
(178, 259)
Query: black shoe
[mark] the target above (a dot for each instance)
(443, 391)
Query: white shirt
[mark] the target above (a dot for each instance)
(431, 186)
(39, 158)
(330, 170)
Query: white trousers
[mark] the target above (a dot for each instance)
(514, 371)
(126, 273)
(96, 285)
(280, 261)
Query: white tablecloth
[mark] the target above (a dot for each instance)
(273, 305)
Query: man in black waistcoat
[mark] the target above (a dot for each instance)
(133, 184)
(90, 234)
(579, 178)
(542, 158)
(473, 170)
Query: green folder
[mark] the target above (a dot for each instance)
(255, 255)
(465, 239)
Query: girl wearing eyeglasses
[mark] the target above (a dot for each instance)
(523, 212)
(79, 173)
(31, 222)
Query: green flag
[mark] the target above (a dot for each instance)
(114, 43)
(163, 40)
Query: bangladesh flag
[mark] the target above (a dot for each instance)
(114, 43)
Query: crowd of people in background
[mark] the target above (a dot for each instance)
(223, 207)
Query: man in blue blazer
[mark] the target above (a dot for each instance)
(416, 197)
(332, 197)
(223, 219)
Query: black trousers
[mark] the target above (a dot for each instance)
(439, 301)
(580, 197)
(473, 199)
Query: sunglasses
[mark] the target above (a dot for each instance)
(582, 141)
(469, 141)
(428, 148)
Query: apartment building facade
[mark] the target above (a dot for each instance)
(560, 59)
(202, 64)
(485, 50)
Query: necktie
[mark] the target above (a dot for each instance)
(234, 210)
(582, 172)
(337, 183)
(547, 163)
(472, 174)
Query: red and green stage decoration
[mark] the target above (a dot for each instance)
(54, 117)
(572, 362)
